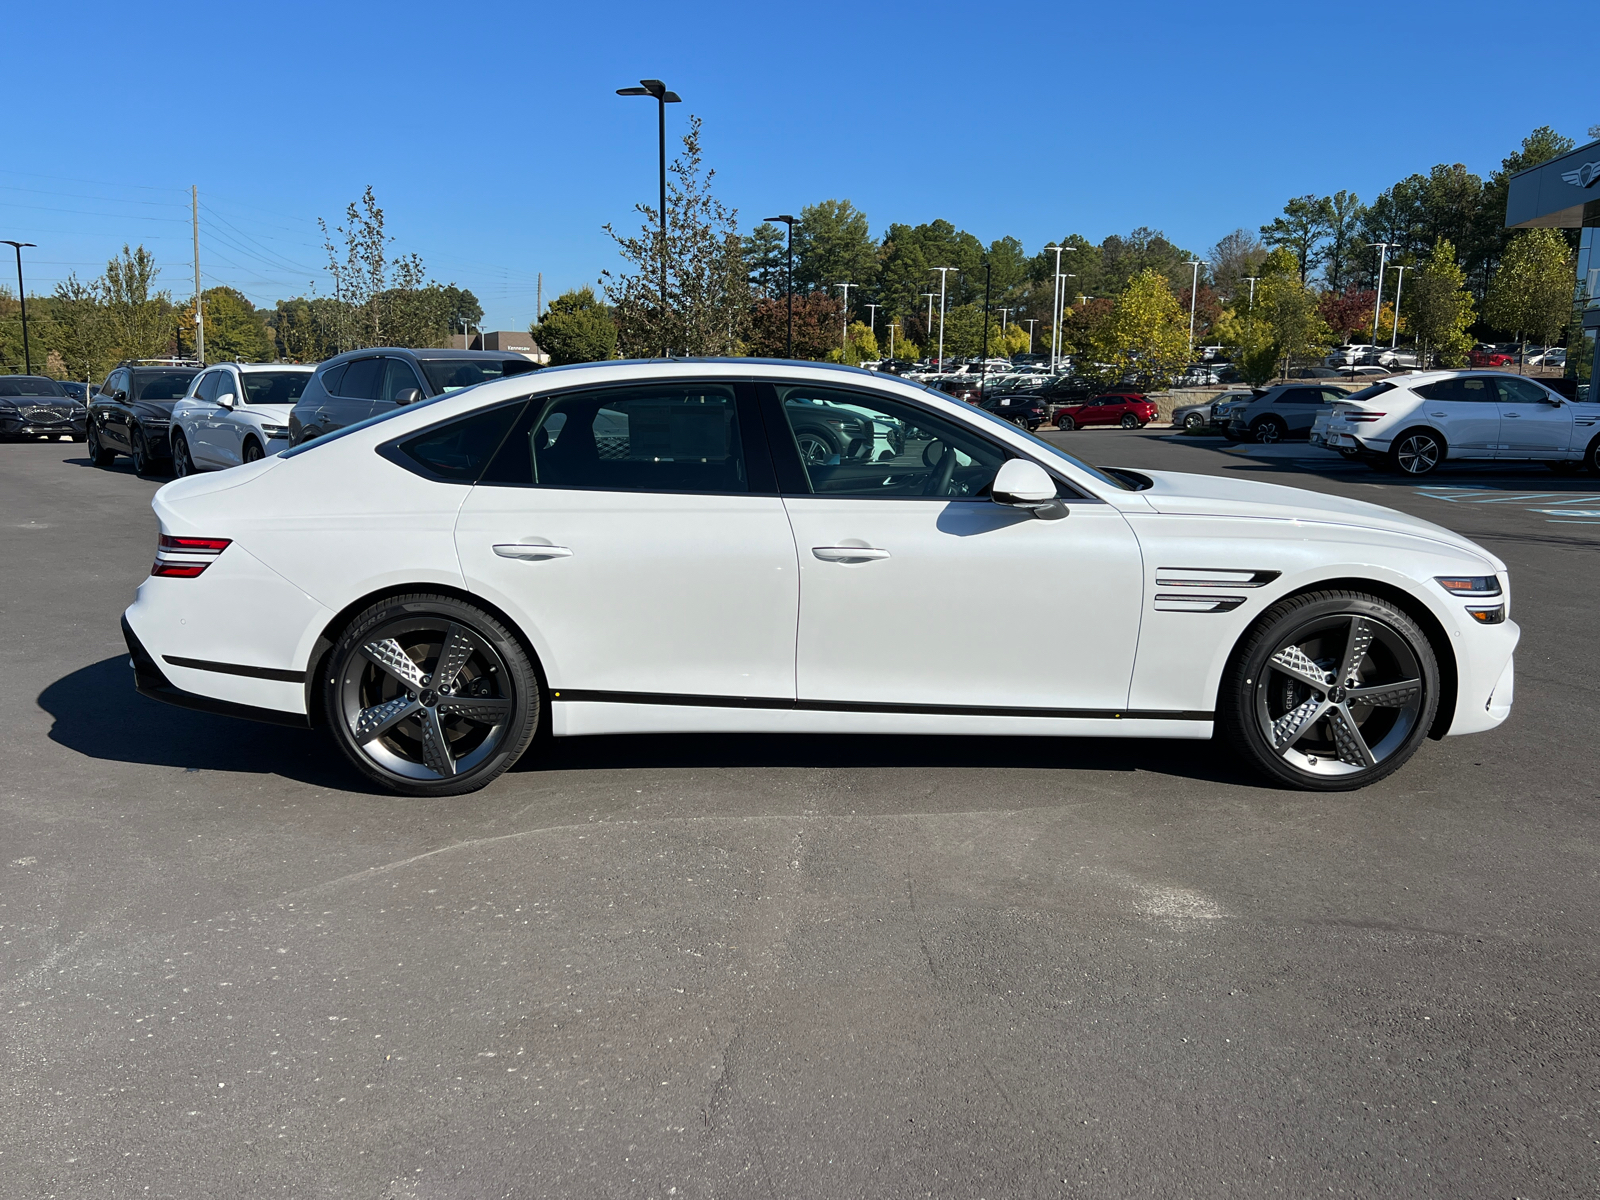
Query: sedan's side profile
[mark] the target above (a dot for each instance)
(647, 547)
(235, 413)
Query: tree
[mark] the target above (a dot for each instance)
(461, 307)
(361, 278)
(235, 331)
(860, 346)
(1301, 230)
(1543, 144)
(1348, 313)
(139, 318)
(1146, 333)
(766, 260)
(1439, 307)
(1344, 211)
(306, 330)
(817, 325)
(832, 244)
(1234, 260)
(83, 333)
(1531, 293)
(1282, 326)
(706, 310)
(576, 328)
(1123, 258)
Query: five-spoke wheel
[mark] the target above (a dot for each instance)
(1331, 690)
(430, 696)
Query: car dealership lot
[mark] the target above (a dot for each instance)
(740, 966)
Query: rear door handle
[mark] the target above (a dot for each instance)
(848, 554)
(531, 553)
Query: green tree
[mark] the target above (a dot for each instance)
(1146, 333)
(1284, 324)
(1543, 144)
(860, 346)
(83, 335)
(766, 260)
(1344, 211)
(1439, 307)
(1305, 224)
(706, 310)
(305, 330)
(139, 317)
(576, 328)
(832, 244)
(1531, 293)
(1123, 258)
(1234, 260)
(235, 330)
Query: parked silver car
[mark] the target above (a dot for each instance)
(1286, 411)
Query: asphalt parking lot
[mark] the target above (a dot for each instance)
(792, 967)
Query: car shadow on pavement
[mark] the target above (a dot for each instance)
(1205, 761)
(98, 714)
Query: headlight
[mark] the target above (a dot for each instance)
(1470, 585)
(275, 431)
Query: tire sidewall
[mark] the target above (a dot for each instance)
(182, 464)
(525, 710)
(1236, 715)
(1065, 424)
(1408, 435)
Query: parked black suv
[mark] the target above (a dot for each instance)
(358, 384)
(35, 406)
(1023, 409)
(132, 411)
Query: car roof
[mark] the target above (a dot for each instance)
(426, 353)
(273, 366)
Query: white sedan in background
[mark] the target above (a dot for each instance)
(644, 548)
(235, 413)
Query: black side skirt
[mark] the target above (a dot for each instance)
(572, 695)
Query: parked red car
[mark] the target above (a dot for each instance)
(1493, 356)
(1128, 409)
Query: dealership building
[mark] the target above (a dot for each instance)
(1564, 193)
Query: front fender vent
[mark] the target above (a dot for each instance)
(1195, 603)
(1212, 577)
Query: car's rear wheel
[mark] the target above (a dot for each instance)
(98, 455)
(1330, 691)
(182, 464)
(141, 452)
(1194, 422)
(1591, 457)
(1270, 430)
(1065, 422)
(430, 696)
(253, 451)
(817, 444)
(1129, 421)
(1416, 452)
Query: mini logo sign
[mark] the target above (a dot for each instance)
(1585, 176)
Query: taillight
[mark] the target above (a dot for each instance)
(1365, 418)
(186, 557)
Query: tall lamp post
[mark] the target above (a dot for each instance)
(892, 327)
(928, 296)
(944, 274)
(1062, 314)
(22, 297)
(788, 280)
(872, 318)
(1399, 282)
(654, 87)
(1055, 308)
(983, 368)
(1030, 322)
(1377, 305)
(844, 336)
(1194, 288)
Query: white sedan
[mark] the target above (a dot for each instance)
(235, 413)
(644, 548)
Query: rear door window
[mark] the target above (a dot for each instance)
(363, 379)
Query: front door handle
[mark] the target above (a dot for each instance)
(531, 553)
(848, 554)
(1510, 414)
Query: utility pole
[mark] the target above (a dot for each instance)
(1377, 305)
(1194, 287)
(844, 338)
(199, 318)
(538, 299)
(944, 274)
(22, 298)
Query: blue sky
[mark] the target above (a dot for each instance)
(498, 149)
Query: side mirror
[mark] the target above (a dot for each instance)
(120, 396)
(408, 395)
(1021, 483)
(227, 400)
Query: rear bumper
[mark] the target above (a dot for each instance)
(149, 680)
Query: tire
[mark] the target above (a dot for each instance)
(1565, 467)
(1269, 431)
(430, 741)
(1129, 421)
(141, 452)
(1065, 423)
(1416, 452)
(1591, 457)
(182, 463)
(1278, 711)
(99, 456)
(817, 443)
(252, 451)
(1194, 422)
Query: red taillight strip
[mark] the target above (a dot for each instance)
(177, 570)
(194, 545)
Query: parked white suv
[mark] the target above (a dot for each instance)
(235, 413)
(1413, 424)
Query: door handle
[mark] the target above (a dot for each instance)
(848, 554)
(1438, 414)
(531, 553)
(1512, 414)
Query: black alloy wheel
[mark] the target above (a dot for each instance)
(1065, 423)
(1330, 691)
(1194, 422)
(1591, 457)
(1416, 452)
(182, 464)
(99, 456)
(141, 452)
(1270, 430)
(253, 451)
(1129, 421)
(430, 696)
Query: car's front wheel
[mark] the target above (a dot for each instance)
(430, 696)
(98, 455)
(1330, 691)
(1064, 422)
(1194, 422)
(253, 451)
(1270, 430)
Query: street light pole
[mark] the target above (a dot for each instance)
(928, 296)
(22, 298)
(654, 87)
(1030, 322)
(1194, 287)
(944, 274)
(788, 285)
(844, 336)
(1377, 305)
(892, 327)
(1400, 280)
(1055, 309)
(872, 319)
(983, 366)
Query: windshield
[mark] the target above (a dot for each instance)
(29, 385)
(162, 387)
(453, 374)
(274, 387)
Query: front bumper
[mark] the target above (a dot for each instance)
(37, 427)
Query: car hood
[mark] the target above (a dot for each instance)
(153, 408)
(277, 414)
(1212, 496)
